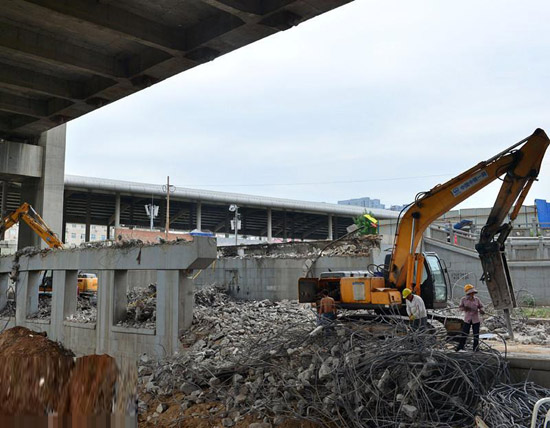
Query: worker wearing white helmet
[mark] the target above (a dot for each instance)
(416, 309)
(473, 308)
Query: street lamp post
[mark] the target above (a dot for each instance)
(152, 211)
(235, 209)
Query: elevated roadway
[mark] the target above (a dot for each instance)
(61, 59)
(116, 203)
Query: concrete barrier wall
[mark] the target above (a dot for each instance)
(530, 368)
(271, 278)
(173, 264)
(530, 278)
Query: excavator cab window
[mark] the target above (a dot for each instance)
(438, 278)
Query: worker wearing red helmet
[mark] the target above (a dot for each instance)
(473, 308)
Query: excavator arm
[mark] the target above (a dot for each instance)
(520, 167)
(26, 213)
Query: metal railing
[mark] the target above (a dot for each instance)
(521, 245)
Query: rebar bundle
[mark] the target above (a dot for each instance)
(376, 373)
(512, 405)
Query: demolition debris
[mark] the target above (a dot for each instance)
(86, 310)
(268, 361)
(9, 310)
(358, 245)
(142, 308)
(44, 307)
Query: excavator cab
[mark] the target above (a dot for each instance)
(435, 282)
(367, 290)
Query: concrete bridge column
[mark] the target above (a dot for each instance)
(88, 218)
(285, 236)
(4, 284)
(330, 236)
(3, 203)
(26, 295)
(64, 298)
(111, 307)
(269, 225)
(174, 307)
(199, 216)
(45, 194)
(105, 296)
(117, 211)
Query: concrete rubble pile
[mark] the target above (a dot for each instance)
(358, 245)
(86, 310)
(9, 310)
(142, 308)
(44, 307)
(270, 360)
(525, 333)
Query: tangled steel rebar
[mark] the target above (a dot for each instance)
(512, 405)
(350, 375)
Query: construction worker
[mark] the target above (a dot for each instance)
(327, 309)
(473, 308)
(416, 309)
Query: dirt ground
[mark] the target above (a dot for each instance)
(91, 386)
(33, 372)
(40, 377)
(204, 415)
(517, 348)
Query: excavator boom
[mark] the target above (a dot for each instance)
(520, 166)
(26, 213)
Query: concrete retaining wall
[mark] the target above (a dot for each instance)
(173, 264)
(530, 278)
(525, 368)
(271, 278)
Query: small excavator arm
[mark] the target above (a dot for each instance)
(26, 213)
(520, 166)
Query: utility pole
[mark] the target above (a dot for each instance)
(168, 189)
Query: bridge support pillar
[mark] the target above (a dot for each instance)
(199, 216)
(45, 194)
(269, 226)
(3, 203)
(330, 236)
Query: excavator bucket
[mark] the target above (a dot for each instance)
(496, 275)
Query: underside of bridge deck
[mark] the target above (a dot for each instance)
(60, 59)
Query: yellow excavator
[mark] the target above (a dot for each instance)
(86, 282)
(517, 167)
(27, 213)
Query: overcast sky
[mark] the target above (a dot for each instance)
(378, 99)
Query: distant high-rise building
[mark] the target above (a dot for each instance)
(396, 207)
(365, 202)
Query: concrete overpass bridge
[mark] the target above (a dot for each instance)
(60, 59)
(115, 203)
